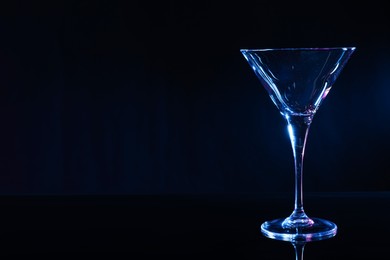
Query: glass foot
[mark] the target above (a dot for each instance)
(318, 229)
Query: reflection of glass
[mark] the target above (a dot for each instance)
(299, 247)
(298, 80)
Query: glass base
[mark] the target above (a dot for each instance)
(318, 229)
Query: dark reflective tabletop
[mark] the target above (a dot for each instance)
(189, 226)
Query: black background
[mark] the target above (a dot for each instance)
(155, 97)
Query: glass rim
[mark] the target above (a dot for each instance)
(301, 49)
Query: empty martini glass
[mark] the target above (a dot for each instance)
(298, 80)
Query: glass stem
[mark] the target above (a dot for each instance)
(298, 128)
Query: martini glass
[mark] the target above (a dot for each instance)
(298, 80)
